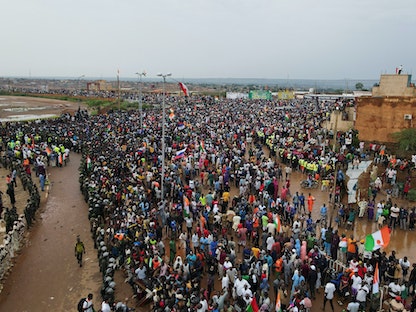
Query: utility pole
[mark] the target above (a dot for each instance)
(162, 181)
(139, 83)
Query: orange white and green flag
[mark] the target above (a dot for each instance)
(378, 239)
(376, 281)
(278, 303)
(278, 224)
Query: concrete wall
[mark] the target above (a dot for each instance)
(395, 85)
(378, 118)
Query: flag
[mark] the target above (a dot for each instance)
(278, 224)
(181, 126)
(378, 239)
(180, 154)
(202, 147)
(171, 114)
(89, 164)
(184, 88)
(278, 303)
(287, 117)
(376, 280)
(48, 151)
(253, 307)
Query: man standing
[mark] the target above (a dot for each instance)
(79, 250)
(105, 306)
(88, 306)
(399, 69)
(311, 200)
(172, 250)
(301, 202)
(329, 294)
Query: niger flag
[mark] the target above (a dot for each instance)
(253, 307)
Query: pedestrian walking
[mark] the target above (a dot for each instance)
(329, 295)
(79, 250)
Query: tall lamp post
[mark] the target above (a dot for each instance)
(336, 113)
(162, 181)
(139, 83)
(79, 83)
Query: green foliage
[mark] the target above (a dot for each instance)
(97, 103)
(359, 86)
(406, 139)
(411, 196)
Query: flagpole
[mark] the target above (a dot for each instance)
(118, 87)
(139, 77)
(162, 183)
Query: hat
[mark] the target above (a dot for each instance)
(313, 267)
(398, 298)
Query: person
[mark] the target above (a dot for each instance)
(405, 266)
(399, 69)
(88, 306)
(396, 304)
(42, 181)
(329, 294)
(79, 250)
(105, 306)
(353, 306)
(311, 200)
(324, 213)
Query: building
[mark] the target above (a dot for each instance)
(390, 109)
(98, 85)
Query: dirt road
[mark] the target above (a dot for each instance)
(46, 276)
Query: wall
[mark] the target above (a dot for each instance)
(377, 118)
(394, 85)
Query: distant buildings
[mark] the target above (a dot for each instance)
(390, 109)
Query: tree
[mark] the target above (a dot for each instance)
(359, 86)
(406, 139)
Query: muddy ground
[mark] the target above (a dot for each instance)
(46, 277)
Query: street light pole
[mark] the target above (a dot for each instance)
(79, 82)
(162, 181)
(334, 190)
(336, 113)
(139, 82)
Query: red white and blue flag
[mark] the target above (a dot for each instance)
(180, 153)
(184, 88)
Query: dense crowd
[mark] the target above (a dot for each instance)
(229, 231)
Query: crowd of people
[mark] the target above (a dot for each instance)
(223, 229)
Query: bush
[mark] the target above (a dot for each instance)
(411, 196)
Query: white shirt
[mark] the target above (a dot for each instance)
(356, 281)
(270, 241)
(271, 228)
(362, 294)
(87, 306)
(329, 290)
(225, 282)
(353, 306)
(239, 286)
(105, 307)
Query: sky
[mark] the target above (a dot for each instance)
(272, 39)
